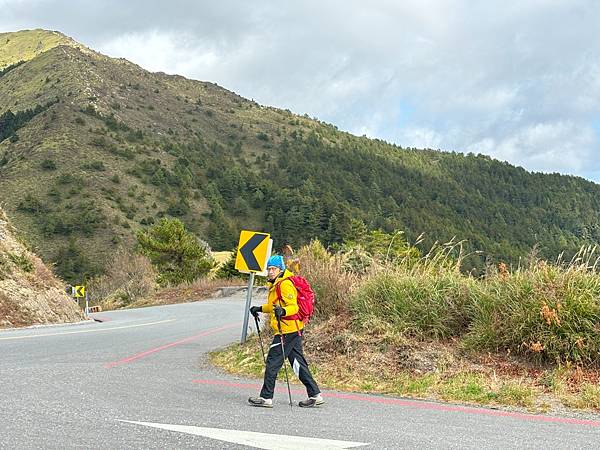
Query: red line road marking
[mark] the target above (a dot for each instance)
(166, 346)
(419, 404)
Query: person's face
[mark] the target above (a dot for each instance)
(273, 272)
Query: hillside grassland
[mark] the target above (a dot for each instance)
(28, 44)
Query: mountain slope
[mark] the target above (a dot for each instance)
(28, 44)
(94, 148)
(29, 293)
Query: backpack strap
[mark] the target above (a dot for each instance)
(279, 298)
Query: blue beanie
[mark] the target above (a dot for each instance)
(276, 261)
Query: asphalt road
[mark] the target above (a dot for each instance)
(140, 379)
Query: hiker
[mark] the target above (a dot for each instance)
(288, 328)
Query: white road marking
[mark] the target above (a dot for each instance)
(98, 330)
(254, 439)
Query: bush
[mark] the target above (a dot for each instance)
(128, 279)
(32, 205)
(81, 218)
(98, 166)
(48, 164)
(544, 311)
(72, 265)
(417, 303)
(21, 261)
(177, 254)
(332, 284)
(262, 136)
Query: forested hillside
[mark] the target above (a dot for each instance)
(94, 148)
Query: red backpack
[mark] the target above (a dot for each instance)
(306, 298)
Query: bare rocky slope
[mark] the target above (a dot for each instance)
(29, 293)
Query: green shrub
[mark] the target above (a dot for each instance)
(420, 304)
(123, 152)
(177, 254)
(72, 265)
(97, 166)
(48, 164)
(32, 204)
(81, 218)
(545, 311)
(21, 261)
(262, 136)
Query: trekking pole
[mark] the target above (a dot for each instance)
(260, 338)
(284, 366)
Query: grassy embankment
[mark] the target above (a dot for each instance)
(528, 338)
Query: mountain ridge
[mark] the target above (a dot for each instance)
(115, 147)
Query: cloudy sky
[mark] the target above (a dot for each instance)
(517, 80)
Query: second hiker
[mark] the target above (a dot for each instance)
(282, 305)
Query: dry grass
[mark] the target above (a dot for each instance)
(29, 292)
(129, 279)
(385, 363)
(333, 285)
(363, 335)
(221, 257)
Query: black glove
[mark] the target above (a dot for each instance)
(255, 310)
(279, 312)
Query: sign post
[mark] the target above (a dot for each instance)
(247, 308)
(78, 292)
(253, 253)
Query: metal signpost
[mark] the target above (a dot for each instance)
(78, 292)
(253, 253)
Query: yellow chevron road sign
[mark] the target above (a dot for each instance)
(253, 252)
(78, 291)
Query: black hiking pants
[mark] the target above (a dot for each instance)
(292, 343)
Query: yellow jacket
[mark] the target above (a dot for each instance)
(288, 301)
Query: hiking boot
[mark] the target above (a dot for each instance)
(259, 401)
(312, 401)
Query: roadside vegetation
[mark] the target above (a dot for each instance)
(169, 265)
(415, 325)
(29, 292)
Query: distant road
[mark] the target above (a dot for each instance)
(140, 379)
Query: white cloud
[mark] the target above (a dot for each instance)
(421, 138)
(158, 51)
(551, 147)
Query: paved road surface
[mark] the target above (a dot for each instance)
(140, 380)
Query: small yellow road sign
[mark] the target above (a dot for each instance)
(253, 251)
(78, 291)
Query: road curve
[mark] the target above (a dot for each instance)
(140, 379)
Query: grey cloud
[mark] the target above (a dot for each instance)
(516, 80)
